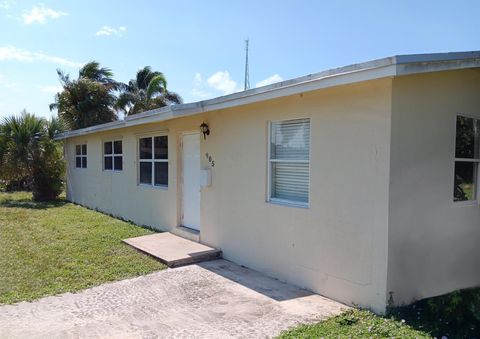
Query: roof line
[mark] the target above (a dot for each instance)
(375, 69)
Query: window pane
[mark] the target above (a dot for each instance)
(117, 147)
(467, 138)
(78, 150)
(146, 173)
(161, 147)
(290, 140)
(290, 181)
(465, 177)
(84, 149)
(161, 173)
(78, 162)
(84, 162)
(107, 147)
(107, 163)
(118, 163)
(146, 148)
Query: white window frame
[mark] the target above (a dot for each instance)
(476, 184)
(81, 155)
(152, 160)
(113, 155)
(270, 162)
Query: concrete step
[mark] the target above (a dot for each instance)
(187, 233)
(173, 250)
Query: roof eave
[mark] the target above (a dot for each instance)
(381, 68)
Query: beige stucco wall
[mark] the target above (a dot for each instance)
(433, 242)
(337, 247)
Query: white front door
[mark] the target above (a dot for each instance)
(191, 181)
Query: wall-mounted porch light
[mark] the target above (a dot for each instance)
(205, 130)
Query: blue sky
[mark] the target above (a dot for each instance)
(199, 45)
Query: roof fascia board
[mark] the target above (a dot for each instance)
(103, 127)
(436, 66)
(375, 69)
(432, 57)
(297, 88)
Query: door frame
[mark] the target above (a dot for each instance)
(180, 175)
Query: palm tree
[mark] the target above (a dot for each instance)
(88, 100)
(29, 157)
(17, 134)
(103, 75)
(146, 92)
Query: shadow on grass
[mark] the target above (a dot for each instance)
(454, 315)
(29, 204)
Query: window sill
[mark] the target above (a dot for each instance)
(163, 188)
(112, 171)
(466, 203)
(289, 203)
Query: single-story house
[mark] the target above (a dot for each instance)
(358, 183)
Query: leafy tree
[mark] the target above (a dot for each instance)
(29, 157)
(146, 92)
(88, 100)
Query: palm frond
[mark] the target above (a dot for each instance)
(54, 126)
(156, 86)
(93, 71)
(64, 78)
(173, 98)
(143, 77)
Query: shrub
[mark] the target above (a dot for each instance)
(455, 315)
(29, 157)
(47, 174)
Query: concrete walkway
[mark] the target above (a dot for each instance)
(215, 299)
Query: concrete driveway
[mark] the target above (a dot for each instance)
(215, 299)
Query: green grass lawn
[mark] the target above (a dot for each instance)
(452, 315)
(355, 324)
(51, 248)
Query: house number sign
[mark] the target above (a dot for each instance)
(210, 159)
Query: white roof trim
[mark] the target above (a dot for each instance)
(381, 68)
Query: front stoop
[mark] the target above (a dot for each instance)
(173, 250)
(187, 233)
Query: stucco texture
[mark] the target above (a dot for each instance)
(433, 242)
(337, 247)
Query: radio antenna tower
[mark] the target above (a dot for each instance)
(247, 75)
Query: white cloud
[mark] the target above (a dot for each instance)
(107, 31)
(198, 78)
(17, 54)
(222, 82)
(53, 89)
(6, 4)
(270, 80)
(217, 82)
(198, 91)
(40, 14)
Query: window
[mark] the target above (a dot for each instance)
(112, 155)
(153, 161)
(289, 161)
(467, 158)
(81, 156)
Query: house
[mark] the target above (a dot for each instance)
(359, 183)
